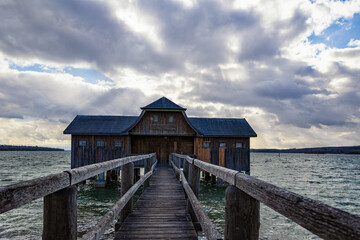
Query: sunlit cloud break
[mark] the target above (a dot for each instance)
(290, 68)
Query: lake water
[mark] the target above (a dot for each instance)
(331, 179)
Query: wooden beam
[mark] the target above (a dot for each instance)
(18, 194)
(147, 168)
(127, 181)
(321, 219)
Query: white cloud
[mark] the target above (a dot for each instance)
(353, 43)
(242, 59)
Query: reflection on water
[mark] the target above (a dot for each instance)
(332, 179)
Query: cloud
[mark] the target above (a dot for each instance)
(354, 43)
(248, 59)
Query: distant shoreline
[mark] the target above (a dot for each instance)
(318, 150)
(27, 148)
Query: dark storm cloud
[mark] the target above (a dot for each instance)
(73, 31)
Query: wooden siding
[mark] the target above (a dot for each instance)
(149, 126)
(89, 154)
(229, 156)
(163, 146)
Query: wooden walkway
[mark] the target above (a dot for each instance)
(160, 212)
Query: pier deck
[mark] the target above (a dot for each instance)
(160, 212)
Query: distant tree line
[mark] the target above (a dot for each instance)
(321, 150)
(27, 148)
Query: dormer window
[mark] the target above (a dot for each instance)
(171, 119)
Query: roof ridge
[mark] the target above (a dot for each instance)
(163, 103)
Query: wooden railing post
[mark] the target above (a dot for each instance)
(60, 215)
(194, 182)
(242, 215)
(127, 181)
(146, 170)
(186, 169)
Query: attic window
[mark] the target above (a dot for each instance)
(238, 145)
(117, 143)
(82, 143)
(206, 145)
(171, 119)
(155, 118)
(100, 143)
(222, 145)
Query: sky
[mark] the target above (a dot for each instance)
(291, 68)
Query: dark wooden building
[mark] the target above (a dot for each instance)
(162, 127)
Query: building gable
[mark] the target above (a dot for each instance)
(170, 123)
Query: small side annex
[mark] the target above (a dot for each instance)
(162, 127)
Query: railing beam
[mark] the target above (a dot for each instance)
(60, 215)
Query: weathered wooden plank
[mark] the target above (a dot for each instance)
(225, 174)
(18, 194)
(110, 216)
(158, 216)
(83, 173)
(320, 219)
(207, 226)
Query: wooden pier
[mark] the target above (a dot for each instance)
(170, 210)
(160, 212)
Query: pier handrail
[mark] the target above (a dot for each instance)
(110, 216)
(60, 196)
(323, 220)
(15, 195)
(207, 226)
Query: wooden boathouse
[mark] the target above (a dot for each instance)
(162, 127)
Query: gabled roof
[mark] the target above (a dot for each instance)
(163, 104)
(119, 125)
(228, 127)
(96, 125)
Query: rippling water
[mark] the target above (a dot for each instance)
(332, 179)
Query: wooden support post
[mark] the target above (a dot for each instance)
(136, 174)
(242, 215)
(186, 169)
(100, 180)
(127, 180)
(60, 215)
(146, 170)
(194, 182)
(213, 179)
(207, 176)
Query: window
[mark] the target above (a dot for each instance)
(206, 145)
(171, 119)
(222, 145)
(118, 143)
(82, 143)
(155, 118)
(100, 143)
(238, 145)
